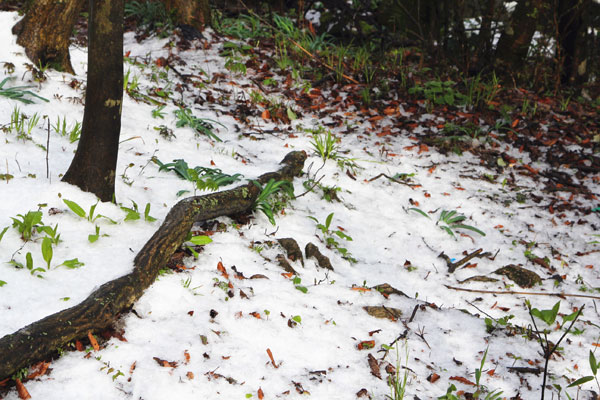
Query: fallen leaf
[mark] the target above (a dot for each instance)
(187, 357)
(375, 371)
(21, 390)
(190, 375)
(261, 395)
(93, 341)
(255, 315)
(433, 378)
(165, 363)
(462, 380)
(270, 354)
(266, 115)
(39, 369)
(79, 346)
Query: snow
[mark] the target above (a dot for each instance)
(318, 355)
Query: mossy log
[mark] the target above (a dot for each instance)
(40, 340)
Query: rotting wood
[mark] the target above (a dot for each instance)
(41, 340)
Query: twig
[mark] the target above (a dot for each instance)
(47, 151)
(587, 296)
(392, 179)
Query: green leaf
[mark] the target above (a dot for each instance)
(132, 214)
(468, 227)
(593, 364)
(548, 316)
(47, 251)
(3, 232)
(2, 283)
(291, 115)
(297, 318)
(419, 211)
(29, 261)
(200, 240)
(581, 381)
(147, 216)
(93, 237)
(75, 208)
(72, 264)
(501, 162)
(303, 289)
(328, 221)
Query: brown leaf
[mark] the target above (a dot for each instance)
(79, 346)
(462, 380)
(21, 390)
(270, 354)
(433, 378)
(165, 363)
(187, 357)
(39, 369)
(190, 375)
(374, 366)
(93, 341)
(261, 395)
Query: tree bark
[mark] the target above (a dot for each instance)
(516, 37)
(46, 30)
(93, 168)
(572, 27)
(190, 12)
(40, 340)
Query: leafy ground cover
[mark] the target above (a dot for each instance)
(435, 229)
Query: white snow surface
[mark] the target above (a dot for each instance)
(227, 354)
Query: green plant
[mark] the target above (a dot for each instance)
(18, 92)
(204, 178)
(74, 132)
(95, 236)
(25, 224)
(90, 216)
(200, 125)
(199, 240)
(133, 214)
(439, 93)
(28, 264)
(273, 197)
(398, 386)
(549, 317)
(150, 15)
(21, 124)
(330, 237)
(492, 324)
(297, 284)
(453, 221)
(594, 366)
(47, 251)
(324, 144)
(157, 112)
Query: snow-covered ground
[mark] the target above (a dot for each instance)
(218, 346)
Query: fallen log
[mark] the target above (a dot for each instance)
(40, 340)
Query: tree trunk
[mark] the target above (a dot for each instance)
(45, 32)
(40, 340)
(190, 12)
(485, 36)
(572, 27)
(93, 168)
(514, 42)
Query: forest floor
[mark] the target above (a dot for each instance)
(413, 292)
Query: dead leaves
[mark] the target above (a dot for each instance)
(270, 354)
